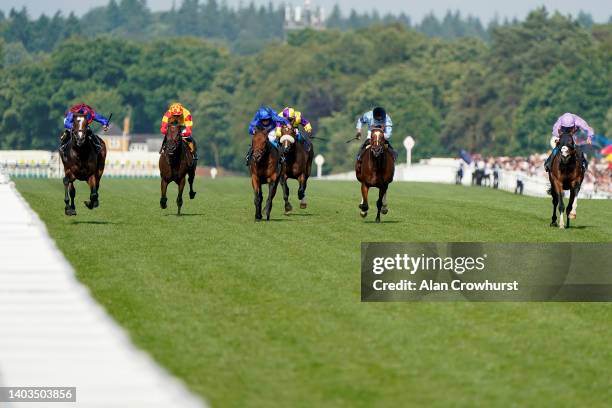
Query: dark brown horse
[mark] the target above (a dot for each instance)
(297, 166)
(265, 168)
(176, 162)
(82, 162)
(376, 170)
(566, 173)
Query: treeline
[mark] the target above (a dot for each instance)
(244, 30)
(498, 97)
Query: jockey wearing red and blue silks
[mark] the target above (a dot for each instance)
(89, 113)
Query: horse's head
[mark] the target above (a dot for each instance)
(567, 146)
(79, 129)
(173, 138)
(287, 139)
(259, 144)
(377, 141)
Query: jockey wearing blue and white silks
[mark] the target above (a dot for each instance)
(380, 119)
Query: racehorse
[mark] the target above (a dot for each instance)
(176, 162)
(376, 170)
(566, 173)
(297, 166)
(265, 168)
(82, 162)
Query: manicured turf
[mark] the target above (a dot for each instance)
(269, 314)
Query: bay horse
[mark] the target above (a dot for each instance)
(82, 162)
(298, 163)
(176, 162)
(376, 169)
(265, 167)
(566, 173)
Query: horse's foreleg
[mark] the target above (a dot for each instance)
(191, 176)
(572, 214)
(285, 187)
(72, 192)
(163, 201)
(303, 180)
(257, 196)
(364, 200)
(385, 209)
(382, 191)
(179, 197)
(271, 193)
(93, 193)
(570, 206)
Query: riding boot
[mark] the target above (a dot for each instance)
(362, 149)
(548, 161)
(163, 145)
(392, 150)
(248, 156)
(64, 138)
(585, 163)
(306, 142)
(194, 152)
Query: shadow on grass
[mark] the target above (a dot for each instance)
(183, 215)
(74, 222)
(382, 222)
(300, 215)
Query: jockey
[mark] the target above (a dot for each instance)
(267, 120)
(178, 114)
(571, 123)
(91, 116)
(296, 120)
(376, 118)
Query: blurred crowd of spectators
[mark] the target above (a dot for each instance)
(598, 177)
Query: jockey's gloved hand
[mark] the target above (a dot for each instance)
(105, 128)
(358, 135)
(308, 128)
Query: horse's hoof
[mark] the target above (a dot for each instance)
(96, 204)
(288, 209)
(572, 216)
(363, 214)
(377, 220)
(69, 212)
(303, 206)
(163, 203)
(384, 210)
(192, 195)
(554, 224)
(89, 204)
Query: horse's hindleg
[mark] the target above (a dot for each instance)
(191, 176)
(285, 187)
(382, 191)
(271, 193)
(163, 201)
(364, 200)
(67, 209)
(303, 180)
(561, 210)
(179, 197)
(257, 197)
(93, 193)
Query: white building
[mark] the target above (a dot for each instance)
(305, 16)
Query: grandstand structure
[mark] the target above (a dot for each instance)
(304, 16)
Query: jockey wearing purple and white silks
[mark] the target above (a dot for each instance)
(568, 122)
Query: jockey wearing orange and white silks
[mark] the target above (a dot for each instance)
(179, 115)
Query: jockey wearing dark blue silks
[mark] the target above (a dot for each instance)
(266, 119)
(90, 116)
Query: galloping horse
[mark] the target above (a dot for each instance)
(566, 173)
(175, 162)
(82, 162)
(265, 168)
(297, 166)
(376, 170)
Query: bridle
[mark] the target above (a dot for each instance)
(377, 141)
